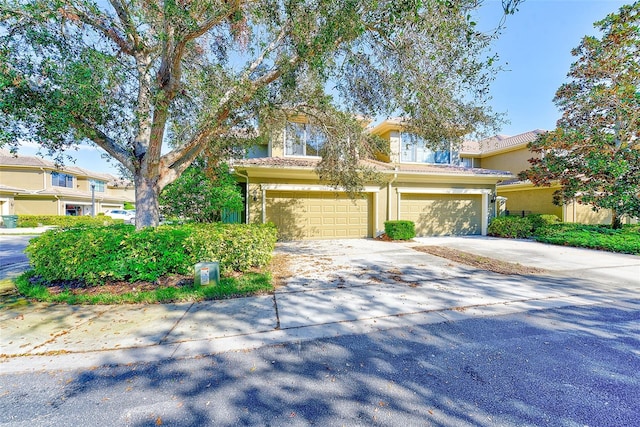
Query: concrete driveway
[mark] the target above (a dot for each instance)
(334, 288)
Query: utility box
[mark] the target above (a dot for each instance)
(207, 273)
(10, 221)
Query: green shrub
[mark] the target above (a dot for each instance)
(542, 220)
(400, 230)
(513, 227)
(237, 247)
(119, 252)
(65, 220)
(603, 237)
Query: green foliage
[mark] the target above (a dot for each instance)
(199, 196)
(198, 76)
(602, 237)
(238, 247)
(94, 255)
(400, 229)
(542, 220)
(513, 227)
(30, 286)
(65, 220)
(594, 152)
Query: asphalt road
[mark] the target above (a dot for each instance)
(12, 257)
(572, 366)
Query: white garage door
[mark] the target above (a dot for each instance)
(317, 215)
(443, 214)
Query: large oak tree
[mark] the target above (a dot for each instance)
(594, 154)
(135, 76)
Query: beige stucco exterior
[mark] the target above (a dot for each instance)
(522, 197)
(441, 199)
(27, 188)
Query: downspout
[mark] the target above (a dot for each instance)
(395, 176)
(44, 179)
(246, 205)
(58, 203)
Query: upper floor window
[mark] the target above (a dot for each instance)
(303, 139)
(61, 180)
(99, 185)
(414, 149)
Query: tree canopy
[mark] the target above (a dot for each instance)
(200, 76)
(595, 151)
(200, 196)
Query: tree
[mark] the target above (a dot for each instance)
(196, 75)
(595, 151)
(201, 197)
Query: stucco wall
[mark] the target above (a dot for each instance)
(513, 161)
(28, 179)
(533, 199)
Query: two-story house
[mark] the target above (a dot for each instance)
(427, 187)
(30, 185)
(522, 197)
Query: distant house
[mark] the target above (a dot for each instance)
(522, 197)
(34, 186)
(424, 186)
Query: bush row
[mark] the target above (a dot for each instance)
(119, 252)
(602, 237)
(516, 227)
(400, 229)
(65, 220)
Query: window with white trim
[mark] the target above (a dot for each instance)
(59, 179)
(414, 149)
(303, 139)
(99, 185)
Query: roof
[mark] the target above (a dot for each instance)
(501, 142)
(414, 168)
(9, 159)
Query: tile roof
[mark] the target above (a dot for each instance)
(417, 168)
(500, 142)
(432, 169)
(8, 159)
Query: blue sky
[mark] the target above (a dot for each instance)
(535, 49)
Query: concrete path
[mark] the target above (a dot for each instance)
(336, 288)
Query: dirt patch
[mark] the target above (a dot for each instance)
(280, 268)
(480, 262)
(118, 287)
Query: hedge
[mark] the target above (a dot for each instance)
(94, 255)
(400, 229)
(65, 220)
(517, 227)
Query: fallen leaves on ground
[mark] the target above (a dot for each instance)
(481, 262)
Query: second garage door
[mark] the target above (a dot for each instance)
(317, 215)
(443, 214)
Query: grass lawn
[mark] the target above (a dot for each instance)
(602, 237)
(180, 290)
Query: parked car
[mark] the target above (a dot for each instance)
(128, 216)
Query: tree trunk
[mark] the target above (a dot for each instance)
(616, 223)
(147, 208)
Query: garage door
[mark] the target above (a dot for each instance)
(443, 214)
(317, 215)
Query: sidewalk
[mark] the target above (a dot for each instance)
(336, 288)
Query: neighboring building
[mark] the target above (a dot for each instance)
(522, 197)
(33, 186)
(427, 187)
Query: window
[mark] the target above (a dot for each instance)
(303, 139)
(61, 180)
(414, 149)
(99, 185)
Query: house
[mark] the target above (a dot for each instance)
(427, 187)
(522, 197)
(30, 185)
